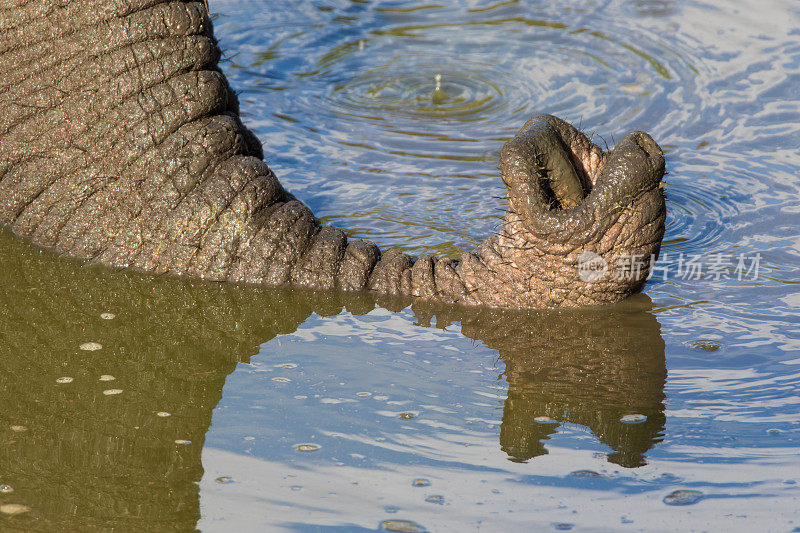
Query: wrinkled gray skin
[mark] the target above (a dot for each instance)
(121, 142)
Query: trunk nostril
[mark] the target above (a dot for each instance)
(560, 181)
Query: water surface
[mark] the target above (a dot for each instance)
(276, 409)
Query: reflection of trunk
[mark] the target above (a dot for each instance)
(89, 460)
(588, 368)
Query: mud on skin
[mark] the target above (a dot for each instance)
(121, 143)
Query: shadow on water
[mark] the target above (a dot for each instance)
(79, 456)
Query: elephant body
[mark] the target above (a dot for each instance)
(121, 143)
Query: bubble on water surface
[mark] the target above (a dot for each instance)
(12, 509)
(281, 380)
(633, 418)
(363, 394)
(6, 489)
(406, 526)
(108, 316)
(307, 447)
(91, 346)
(683, 497)
(545, 420)
(296, 487)
(107, 377)
(286, 365)
(224, 479)
(421, 482)
(391, 509)
(407, 416)
(183, 442)
(438, 499)
(64, 379)
(563, 526)
(112, 392)
(163, 414)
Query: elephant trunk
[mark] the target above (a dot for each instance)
(121, 143)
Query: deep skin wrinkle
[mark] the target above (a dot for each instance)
(121, 143)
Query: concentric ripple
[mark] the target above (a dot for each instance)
(696, 217)
(388, 119)
(424, 93)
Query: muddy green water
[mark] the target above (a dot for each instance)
(226, 408)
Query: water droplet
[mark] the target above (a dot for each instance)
(406, 526)
(163, 414)
(112, 392)
(439, 96)
(19, 429)
(545, 420)
(12, 509)
(107, 377)
(633, 418)
(563, 526)
(438, 499)
(64, 379)
(108, 316)
(224, 479)
(282, 380)
(683, 497)
(183, 442)
(308, 447)
(91, 346)
(6, 489)
(774, 431)
(407, 416)
(584, 474)
(421, 482)
(705, 345)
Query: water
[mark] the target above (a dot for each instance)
(237, 407)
